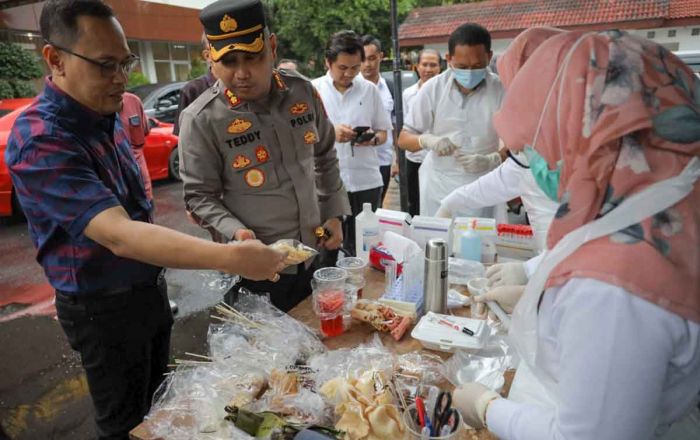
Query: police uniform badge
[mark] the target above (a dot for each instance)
(299, 108)
(310, 137)
(239, 126)
(240, 162)
(261, 154)
(254, 178)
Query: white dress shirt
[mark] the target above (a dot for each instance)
(625, 368)
(408, 95)
(360, 105)
(385, 151)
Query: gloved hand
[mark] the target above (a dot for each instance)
(478, 163)
(443, 146)
(506, 274)
(506, 296)
(443, 212)
(471, 400)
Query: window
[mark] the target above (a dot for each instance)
(695, 32)
(673, 47)
(163, 71)
(651, 35)
(672, 33)
(172, 61)
(178, 52)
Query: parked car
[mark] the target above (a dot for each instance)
(408, 78)
(160, 100)
(160, 151)
(7, 105)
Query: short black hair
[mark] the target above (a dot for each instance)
(344, 42)
(471, 34)
(59, 19)
(429, 50)
(371, 39)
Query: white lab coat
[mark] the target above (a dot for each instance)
(504, 183)
(408, 95)
(442, 109)
(625, 368)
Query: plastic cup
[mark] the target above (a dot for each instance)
(330, 305)
(355, 268)
(413, 430)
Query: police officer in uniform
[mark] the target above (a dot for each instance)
(257, 155)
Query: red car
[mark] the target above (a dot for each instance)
(160, 151)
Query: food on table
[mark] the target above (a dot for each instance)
(381, 317)
(247, 388)
(297, 252)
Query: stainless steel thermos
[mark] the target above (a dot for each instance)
(435, 286)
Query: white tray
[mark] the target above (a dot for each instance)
(439, 337)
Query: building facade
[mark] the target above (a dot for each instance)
(166, 38)
(673, 23)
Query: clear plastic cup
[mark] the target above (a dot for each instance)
(355, 268)
(329, 299)
(478, 286)
(413, 431)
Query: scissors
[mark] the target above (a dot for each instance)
(444, 415)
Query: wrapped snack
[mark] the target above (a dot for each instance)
(297, 252)
(365, 407)
(381, 317)
(426, 368)
(246, 389)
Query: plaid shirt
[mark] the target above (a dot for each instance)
(68, 164)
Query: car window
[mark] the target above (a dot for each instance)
(173, 96)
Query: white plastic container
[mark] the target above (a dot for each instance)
(470, 244)
(423, 228)
(395, 221)
(439, 337)
(366, 231)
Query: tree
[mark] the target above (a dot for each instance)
(18, 67)
(303, 27)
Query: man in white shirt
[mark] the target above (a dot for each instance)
(428, 66)
(353, 102)
(451, 119)
(388, 165)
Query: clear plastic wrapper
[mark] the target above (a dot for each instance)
(427, 368)
(352, 362)
(297, 252)
(485, 366)
(461, 271)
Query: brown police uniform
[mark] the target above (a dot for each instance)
(268, 166)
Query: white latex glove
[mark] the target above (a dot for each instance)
(506, 296)
(478, 163)
(443, 146)
(443, 212)
(506, 274)
(471, 400)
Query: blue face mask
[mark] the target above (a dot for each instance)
(546, 179)
(469, 78)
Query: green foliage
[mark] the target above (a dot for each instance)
(18, 63)
(23, 89)
(199, 68)
(17, 68)
(304, 27)
(137, 78)
(6, 90)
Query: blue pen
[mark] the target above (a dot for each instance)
(429, 425)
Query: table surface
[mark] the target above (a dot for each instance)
(358, 333)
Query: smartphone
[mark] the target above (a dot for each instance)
(362, 135)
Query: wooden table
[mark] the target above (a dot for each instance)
(357, 334)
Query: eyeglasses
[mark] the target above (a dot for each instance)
(107, 68)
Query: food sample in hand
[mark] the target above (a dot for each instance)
(297, 252)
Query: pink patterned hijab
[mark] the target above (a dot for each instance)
(520, 49)
(623, 114)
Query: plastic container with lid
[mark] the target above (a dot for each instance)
(436, 336)
(355, 267)
(329, 299)
(366, 231)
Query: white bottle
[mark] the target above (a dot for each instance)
(366, 231)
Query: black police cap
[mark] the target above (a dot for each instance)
(234, 25)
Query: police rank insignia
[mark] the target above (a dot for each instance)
(254, 178)
(228, 24)
(299, 108)
(261, 154)
(232, 98)
(240, 162)
(239, 126)
(310, 137)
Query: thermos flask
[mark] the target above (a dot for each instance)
(435, 286)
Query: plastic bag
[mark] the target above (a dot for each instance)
(461, 271)
(485, 366)
(297, 252)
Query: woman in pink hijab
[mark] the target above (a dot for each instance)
(608, 328)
